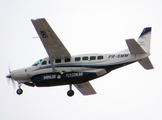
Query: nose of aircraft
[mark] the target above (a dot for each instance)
(19, 75)
(8, 76)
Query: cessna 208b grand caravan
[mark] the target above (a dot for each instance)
(60, 68)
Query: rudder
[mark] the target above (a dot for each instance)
(145, 39)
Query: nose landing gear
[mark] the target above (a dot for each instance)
(70, 93)
(19, 91)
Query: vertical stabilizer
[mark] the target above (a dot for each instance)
(142, 46)
(145, 39)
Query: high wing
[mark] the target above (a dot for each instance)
(52, 44)
(85, 88)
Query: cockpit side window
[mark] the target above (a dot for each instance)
(44, 62)
(37, 62)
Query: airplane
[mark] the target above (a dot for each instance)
(61, 68)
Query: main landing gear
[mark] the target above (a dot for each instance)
(70, 93)
(19, 91)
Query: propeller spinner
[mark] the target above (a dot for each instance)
(10, 78)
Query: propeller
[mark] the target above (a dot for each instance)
(9, 78)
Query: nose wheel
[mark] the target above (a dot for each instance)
(70, 93)
(19, 91)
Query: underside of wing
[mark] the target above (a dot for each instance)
(85, 88)
(52, 44)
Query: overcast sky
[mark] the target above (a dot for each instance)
(84, 26)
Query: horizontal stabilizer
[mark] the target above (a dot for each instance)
(134, 47)
(146, 63)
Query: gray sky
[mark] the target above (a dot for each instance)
(84, 26)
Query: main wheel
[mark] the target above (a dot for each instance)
(19, 91)
(70, 93)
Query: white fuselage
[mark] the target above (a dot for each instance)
(60, 68)
(76, 67)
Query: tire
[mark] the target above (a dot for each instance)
(19, 91)
(70, 93)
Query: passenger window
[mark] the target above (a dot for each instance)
(77, 59)
(100, 57)
(49, 62)
(44, 62)
(93, 58)
(58, 61)
(67, 59)
(85, 58)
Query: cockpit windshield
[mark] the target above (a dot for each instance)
(36, 63)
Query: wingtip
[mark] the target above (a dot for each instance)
(34, 19)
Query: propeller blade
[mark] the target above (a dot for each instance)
(9, 69)
(9, 78)
(13, 83)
